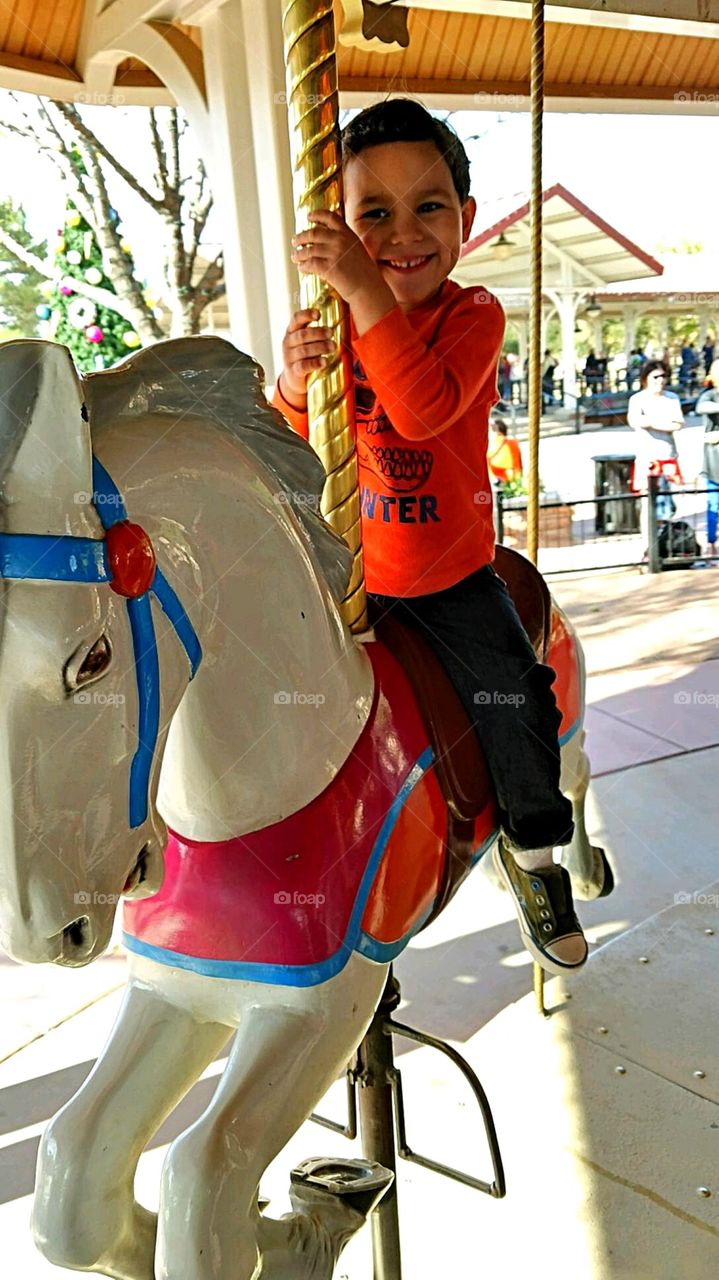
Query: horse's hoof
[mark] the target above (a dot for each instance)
(602, 881)
(357, 1184)
(608, 882)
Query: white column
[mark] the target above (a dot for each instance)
(228, 49)
(522, 325)
(273, 166)
(567, 316)
(629, 316)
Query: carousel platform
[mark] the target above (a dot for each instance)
(610, 1140)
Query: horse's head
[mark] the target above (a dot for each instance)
(69, 844)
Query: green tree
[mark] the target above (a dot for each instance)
(20, 282)
(97, 335)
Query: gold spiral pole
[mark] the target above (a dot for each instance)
(536, 83)
(313, 106)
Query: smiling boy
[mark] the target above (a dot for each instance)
(425, 355)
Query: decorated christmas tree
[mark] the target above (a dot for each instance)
(96, 335)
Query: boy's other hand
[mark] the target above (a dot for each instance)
(305, 347)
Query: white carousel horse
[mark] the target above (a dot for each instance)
(288, 762)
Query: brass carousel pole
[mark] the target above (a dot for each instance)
(313, 105)
(535, 318)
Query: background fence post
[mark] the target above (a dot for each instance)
(655, 560)
(500, 514)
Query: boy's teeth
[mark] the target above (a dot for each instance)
(412, 262)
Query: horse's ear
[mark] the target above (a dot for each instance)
(45, 448)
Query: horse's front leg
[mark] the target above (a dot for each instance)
(85, 1214)
(290, 1046)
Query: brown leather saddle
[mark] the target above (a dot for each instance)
(460, 765)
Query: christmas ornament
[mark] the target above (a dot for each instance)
(126, 246)
(73, 220)
(93, 275)
(66, 291)
(87, 244)
(131, 339)
(74, 257)
(81, 313)
(94, 333)
(60, 245)
(43, 311)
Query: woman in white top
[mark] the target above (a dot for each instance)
(656, 411)
(656, 415)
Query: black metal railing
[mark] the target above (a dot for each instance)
(612, 530)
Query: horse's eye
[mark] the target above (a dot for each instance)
(96, 662)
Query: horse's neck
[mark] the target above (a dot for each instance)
(283, 692)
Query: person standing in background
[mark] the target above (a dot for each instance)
(708, 405)
(504, 456)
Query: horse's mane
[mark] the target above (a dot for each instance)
(208, 377)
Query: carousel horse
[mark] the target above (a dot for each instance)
(187, 722)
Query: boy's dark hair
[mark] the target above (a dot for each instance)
(403, 120)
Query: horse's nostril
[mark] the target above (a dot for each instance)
(75, 935)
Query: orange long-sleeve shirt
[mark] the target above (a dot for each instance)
(425, 381)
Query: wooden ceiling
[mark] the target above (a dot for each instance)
(467, 53)
(463, 54)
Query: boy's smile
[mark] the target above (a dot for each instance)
(401, 201)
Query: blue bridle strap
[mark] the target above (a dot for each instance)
(53, 559)
(42, 557)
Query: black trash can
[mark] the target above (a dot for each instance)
(613, 477)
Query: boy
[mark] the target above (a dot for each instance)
(425, 364)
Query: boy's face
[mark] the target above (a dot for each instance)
(401, 201)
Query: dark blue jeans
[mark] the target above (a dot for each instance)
(476, 633)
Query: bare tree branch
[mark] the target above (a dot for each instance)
(181, 200)
(117, 264)
(28, 258)
(72, 115)
(208, 289)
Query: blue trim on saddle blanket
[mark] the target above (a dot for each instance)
(570, 732)
(582, 677)
(305, 975)
(386, 952)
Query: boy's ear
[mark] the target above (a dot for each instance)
(469, 210)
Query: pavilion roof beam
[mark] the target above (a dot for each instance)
(108, 28)
(566, 259)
